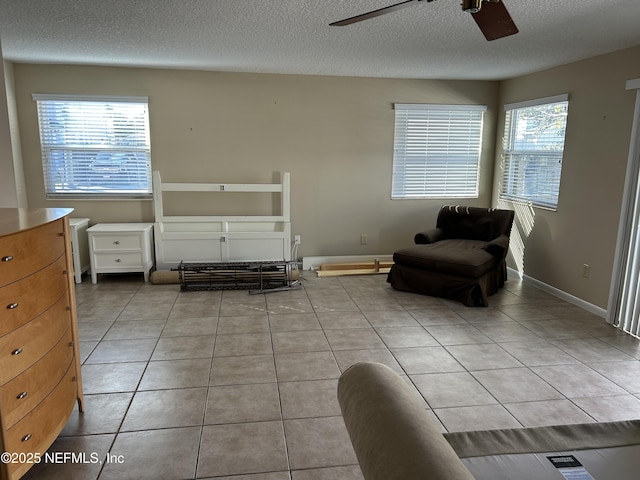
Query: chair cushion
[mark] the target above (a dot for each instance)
(466, 258)
(473, 222)
(471, 228)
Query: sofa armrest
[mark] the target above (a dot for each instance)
(498, 246)
(429, 236)
(390, 430)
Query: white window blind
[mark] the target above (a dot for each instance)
(437, 150)
(533, 148)
(95, 146)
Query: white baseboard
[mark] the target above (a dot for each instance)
(312, 263)
(589, 307)
(512, 272)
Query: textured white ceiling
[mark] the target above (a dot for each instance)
(426, 40)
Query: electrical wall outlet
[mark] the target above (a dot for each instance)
(297, 240)
(586, 270)
(364, 239)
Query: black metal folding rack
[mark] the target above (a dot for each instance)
(257, 277)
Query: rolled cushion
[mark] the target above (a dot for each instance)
(466, 258)
(391, 432)
(432, 235)
(498, 246)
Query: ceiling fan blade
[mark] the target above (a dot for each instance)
(374, 13)
(494, 20)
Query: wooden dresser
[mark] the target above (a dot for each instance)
(40, 378)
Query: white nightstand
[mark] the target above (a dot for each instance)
(121, 248)
(79, 246)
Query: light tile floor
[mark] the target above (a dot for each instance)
(223, 384)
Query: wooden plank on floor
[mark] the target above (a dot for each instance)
(368, 268)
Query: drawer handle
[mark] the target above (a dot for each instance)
(26, 438)
(7, 258)
(22, 395)
(117, 242)
(12, 306)
(117, 260)
(17, 351)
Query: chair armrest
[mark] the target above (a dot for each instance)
(429, 236)
(498, 246)
(390, 430)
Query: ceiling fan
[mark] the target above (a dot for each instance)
(491, 16)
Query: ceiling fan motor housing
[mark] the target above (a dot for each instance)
(472, 6)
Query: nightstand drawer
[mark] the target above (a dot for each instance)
(117, 260)
(33, 340)
(116, 241)
(27, 390)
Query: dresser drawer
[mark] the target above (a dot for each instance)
(37, 431)
(24, 253)
(33, 340)
(23, 300)
(116, 242)
(119, 261)
(19, 396)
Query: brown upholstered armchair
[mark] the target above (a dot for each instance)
(463, 258)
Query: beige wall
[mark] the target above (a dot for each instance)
(12, 184)
(8, 193)
(584, 228)
(334, 134)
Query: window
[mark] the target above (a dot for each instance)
(533, 147)
(95, 146)
(436, 151)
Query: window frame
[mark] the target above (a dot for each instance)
(92, 152)
(515, 160)
(455, 160)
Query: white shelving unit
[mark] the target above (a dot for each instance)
(202, 238)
